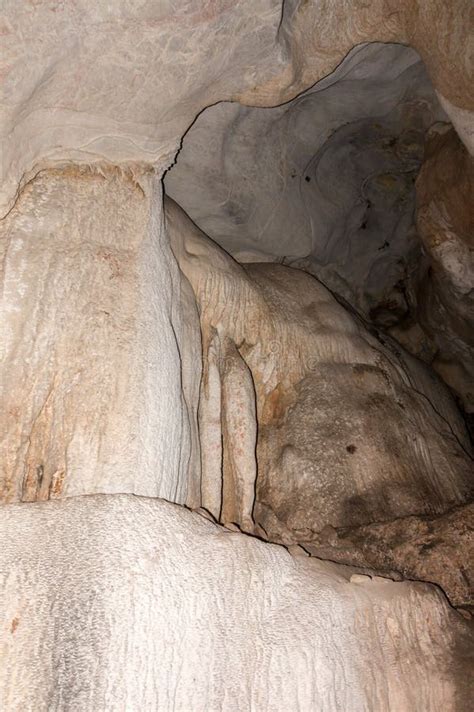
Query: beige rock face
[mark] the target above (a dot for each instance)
(326, 183)
(163, 610)
(93, 395)
(350, 430)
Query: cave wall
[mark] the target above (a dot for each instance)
(113, 600)
(324, 182)
(100, 343)
(352, 430)
(339, 182)
(445, 219)
(377, 456)
(88, 82)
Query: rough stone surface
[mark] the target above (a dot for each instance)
(324, 183)
(350, 430)
(100, 367)
(110, 603)
(121, 82)
(445, 218)
(120, 603)
(429, 548)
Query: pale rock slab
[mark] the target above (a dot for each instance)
(111, 604)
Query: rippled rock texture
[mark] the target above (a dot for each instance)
(163, 610)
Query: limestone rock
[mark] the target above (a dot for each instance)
(100, 346)
(118, 602)
(121, 82)
(324, 183)
(246, 394)
(430, 548)
(350, 430)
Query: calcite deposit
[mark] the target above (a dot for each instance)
(164, 610)
(236, 339)
(92, 330)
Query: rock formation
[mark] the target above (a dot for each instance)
(164, 610)
(351, 431)
(92, 329)
(205, 394)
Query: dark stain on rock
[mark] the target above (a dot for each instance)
(430, 545)
(39, 475)
(14, 625)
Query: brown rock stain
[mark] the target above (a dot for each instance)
(100, 171)
(112, 260)
(275, 404)
(57, 482)
(41, 463)
(14, 625)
